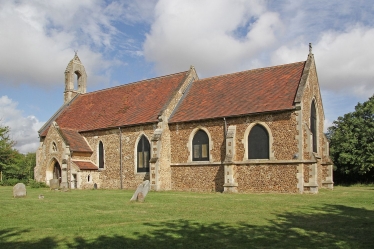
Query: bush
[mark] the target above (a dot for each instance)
(35, 184)
(12, 182)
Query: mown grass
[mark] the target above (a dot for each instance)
(342, 218)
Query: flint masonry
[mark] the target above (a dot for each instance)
(259, 130)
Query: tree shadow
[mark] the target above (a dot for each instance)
(329, 226)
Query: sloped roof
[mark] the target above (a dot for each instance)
(253, 91)
(76, 142)
(85, 165)
(130, 104)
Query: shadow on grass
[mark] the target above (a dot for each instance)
(331, 226)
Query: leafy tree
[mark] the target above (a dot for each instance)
(7, 152)
(352, 144)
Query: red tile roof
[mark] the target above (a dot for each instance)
(130, 104)
(76, 141)
(253, 91)
(84, 165)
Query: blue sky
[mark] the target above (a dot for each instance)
(125, 41)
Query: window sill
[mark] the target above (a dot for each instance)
(196, 163)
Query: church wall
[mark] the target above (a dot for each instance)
(165, 152)
(207, 178)
(282, 127)
(47, 154)
(109, 177)
(312, 92)
(267, 178)
(187, 175)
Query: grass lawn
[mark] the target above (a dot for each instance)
(342, 218)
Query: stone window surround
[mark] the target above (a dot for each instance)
(190, 149)
(245, 141)
(136, 153)
(314, 99)
(53, 148)
(98, 155)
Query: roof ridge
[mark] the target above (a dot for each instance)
(133, 83)
(253, 70)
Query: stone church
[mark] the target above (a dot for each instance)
(259, 130)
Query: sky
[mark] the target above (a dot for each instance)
(120, 42)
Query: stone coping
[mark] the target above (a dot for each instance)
(264, 161)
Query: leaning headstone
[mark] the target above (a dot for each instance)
(141, 192)
(19, 190)
(54, 184)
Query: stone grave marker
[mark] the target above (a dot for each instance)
(54, 184)
(141, 192)
(19, 190)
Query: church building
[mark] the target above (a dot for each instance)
(259, 130)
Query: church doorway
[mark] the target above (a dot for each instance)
(53, 174)
(57, 171)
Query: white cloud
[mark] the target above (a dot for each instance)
(216, 37)
(23, 130)
(343, 59)
(41, 36)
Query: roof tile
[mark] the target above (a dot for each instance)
(85, 165)
(129, 104)
(252, 91)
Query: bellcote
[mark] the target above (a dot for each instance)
(75, 79)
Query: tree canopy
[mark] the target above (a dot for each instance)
(352, 144)
(14, 165)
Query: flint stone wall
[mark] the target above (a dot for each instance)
(109, 176)
(207, 178)
(46, 156)
(267, 178)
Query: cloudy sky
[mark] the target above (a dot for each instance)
(125, 41)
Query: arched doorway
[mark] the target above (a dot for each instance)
(53, 173)
(57, 171)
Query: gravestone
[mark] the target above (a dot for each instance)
(141, 192)
(19, 190)
(95, 185)
(54, 184)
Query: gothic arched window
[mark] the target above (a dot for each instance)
(200, 146)
(101, 155)
(258, 143)
(143, 152)
(313, 125)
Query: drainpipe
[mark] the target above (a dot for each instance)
(120, 156)
(224, 119)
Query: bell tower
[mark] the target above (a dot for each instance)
(75, 79)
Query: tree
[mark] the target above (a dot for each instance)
(7, 152)
(352, 144)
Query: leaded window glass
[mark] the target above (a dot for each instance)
(313, 125)
(200, 144)
(258, 143)
(143, 153)
(101, 155)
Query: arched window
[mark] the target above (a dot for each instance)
(143, 153)
(54, 147)
(200, 146)
(258, 143)
(313, 125)
(101, 155)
